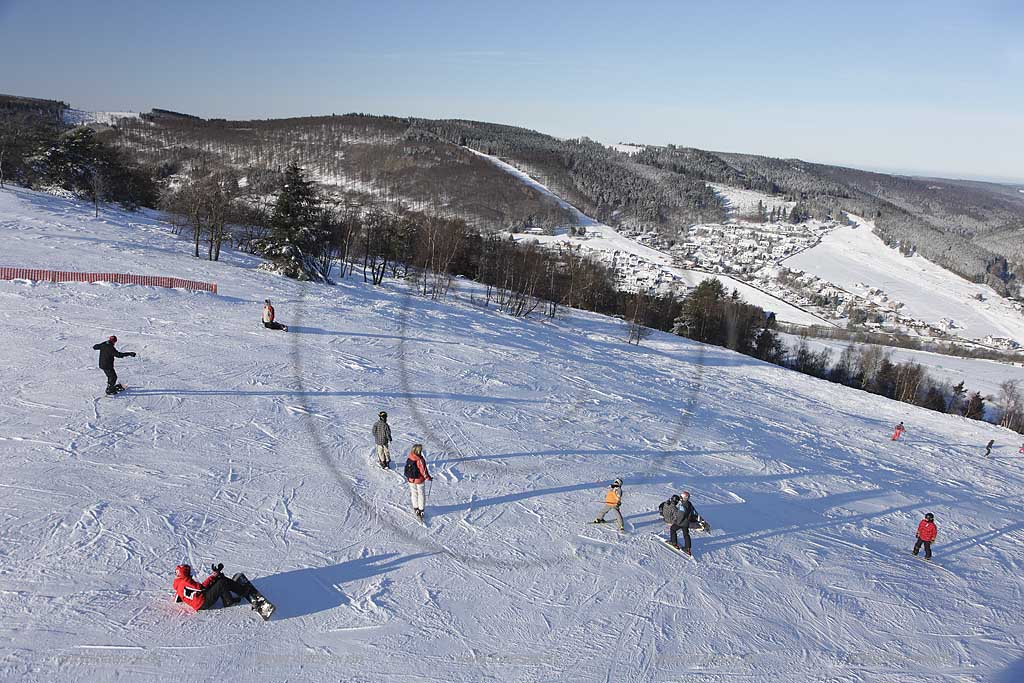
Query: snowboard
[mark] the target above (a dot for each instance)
(610, 525)
(677, 551)
(260, 604)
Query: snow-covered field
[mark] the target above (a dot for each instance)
(78, 117)
(251, 447)
(855, 258)
(740, 202)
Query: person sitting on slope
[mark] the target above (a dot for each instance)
(268, 317)
(612, 503)
(205, 595)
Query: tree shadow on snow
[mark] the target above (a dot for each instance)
(302, 592)
(271, 393)
(1014, 673)
(304, 329)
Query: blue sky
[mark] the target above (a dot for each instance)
(908, 86)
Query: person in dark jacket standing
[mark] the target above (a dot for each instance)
(988, 447)
(107, 355)
(926, 533)
(382, 437)
(678, 512)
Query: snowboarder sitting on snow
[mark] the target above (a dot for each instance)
(416, 473)
(612, 503)
(898, 432)
(268, 317)
(926, 533)
(107, 355)
(680, 518)
(206, 594)
(382, 437)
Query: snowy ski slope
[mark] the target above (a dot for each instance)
(855, 258)
(250, 447)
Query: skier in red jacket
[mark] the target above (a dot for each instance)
(898, 432)
(205, 595)
(416, 473)
(926, 533)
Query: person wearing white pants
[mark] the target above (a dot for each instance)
(417, 474)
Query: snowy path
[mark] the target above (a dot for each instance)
(248, 447)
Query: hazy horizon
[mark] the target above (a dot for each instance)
(933, 87)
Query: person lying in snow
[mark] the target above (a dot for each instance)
(206, 594)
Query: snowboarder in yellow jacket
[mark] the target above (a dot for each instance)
(612, 503)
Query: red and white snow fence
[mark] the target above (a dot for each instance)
(39, 275)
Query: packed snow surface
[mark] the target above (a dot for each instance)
(855, 258)
(251, 447)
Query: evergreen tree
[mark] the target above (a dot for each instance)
(975, 408)
(298, 232)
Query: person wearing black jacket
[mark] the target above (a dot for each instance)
(107, 355)
(678, 512)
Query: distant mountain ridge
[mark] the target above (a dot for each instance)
(972, 228)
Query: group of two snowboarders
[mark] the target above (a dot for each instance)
(415, 472)
(678, 512)
(108, 353)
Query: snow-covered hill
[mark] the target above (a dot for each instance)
(250, 447)
(857, 259)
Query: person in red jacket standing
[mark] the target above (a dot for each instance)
(416, 473)
(926, 533)
(898, 432)
(205, 595)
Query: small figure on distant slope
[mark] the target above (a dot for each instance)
(679, 518)
(612, 503)
(1021, 451)
(206, 594)
(417, 474)
(898, 432)
(382, 437)
(107, 355)
(926, 533)
(268, 317)
(989, 445)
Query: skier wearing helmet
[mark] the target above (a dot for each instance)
(382, 437)
(206, 594)
(926, 533)
(107, 355)
(612, 502)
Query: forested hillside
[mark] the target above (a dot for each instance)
(403, 164)
(973, 229)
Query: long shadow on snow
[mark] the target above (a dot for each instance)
(468, 398)
(301, 592)
(569, 453)
(303, 329)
